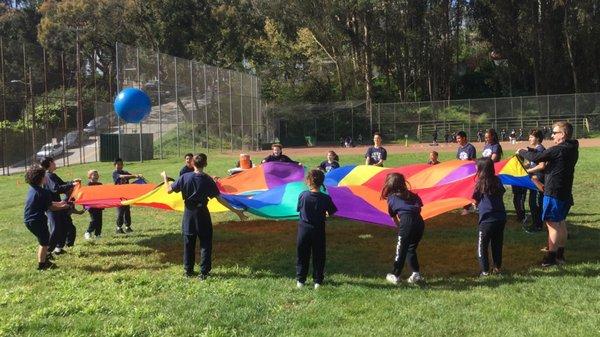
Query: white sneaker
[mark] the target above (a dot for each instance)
(391, 278)
(317, 285)
(415, 278)
(299, 285)
(57, 251)
(87, 235)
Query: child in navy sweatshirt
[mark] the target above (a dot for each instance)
(404, 207)
(492, 215)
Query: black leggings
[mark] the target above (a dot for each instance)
(310, 240)
(123, 216)
(490, 234)
(519, 196)
(409, 235)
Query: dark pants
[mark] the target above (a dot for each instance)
(519, 196)
(58, 229)
(310, 240)
(409, 235)
(123, 216)
(536, 200)
(70, 233)
(197, 224)
(95, 221)
(490, 233)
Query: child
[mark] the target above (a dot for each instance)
(405, 209)
(313, 207)
(492, 215)
(95, 226)
(189, 164)
(331, 163)
(38, 201)
(61, 225)
(376, 154)
(278, 156)
(433, 158)
(195, 190)
(121, 177)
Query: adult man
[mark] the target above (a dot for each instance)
(558, 189)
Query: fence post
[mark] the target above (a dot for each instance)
(219, 109)
(230, 111)
(495, 124)
(576, 116)
(470, 118)
(79, 106)
(242, 108)
(159, 104)
(177, 107)
(252, 113)
(521, 103)
(5, 119)
(193, 104)
(137, 67)
(95, 107)
(118, 90)
(206, 107)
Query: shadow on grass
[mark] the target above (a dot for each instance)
(360, 250)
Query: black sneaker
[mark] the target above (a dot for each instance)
(46, 265)
(549, 259)
(119, 230)
(128, 229)
(188, 273)
(202, 277)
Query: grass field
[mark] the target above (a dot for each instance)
(133, 285)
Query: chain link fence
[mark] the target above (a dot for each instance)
(59, 104)
(335, 123)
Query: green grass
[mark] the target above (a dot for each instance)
(133, 285)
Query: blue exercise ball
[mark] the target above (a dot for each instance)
(132, 105)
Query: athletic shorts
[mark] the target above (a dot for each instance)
(555, 210)
(40, 230)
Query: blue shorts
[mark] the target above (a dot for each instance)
(40, 230)
(555, 210)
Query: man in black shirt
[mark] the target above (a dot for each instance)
(558, 189)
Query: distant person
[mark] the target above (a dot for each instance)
(434, 135)
(376, 154)
(121, 177)
(331, 163)
(503, 134)
(278, 156)
(433, 158)
(480, 136)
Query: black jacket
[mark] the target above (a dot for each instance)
(560, 168)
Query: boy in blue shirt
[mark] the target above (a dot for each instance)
(313, 207)
(196, 188)
(466, 150)
(37, 202)
(121, 177)
(189, 164)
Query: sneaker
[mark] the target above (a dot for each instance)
(484, 274)
(549, 259)
(544, 249)
(46, 265)
(128, 229)
(202, 277)
(87, 235)
(119, 231)
(58, 251)
(497, 271)
(391, 278)
(188, 273)
(299, 284)
(317, 285)
(415, 278)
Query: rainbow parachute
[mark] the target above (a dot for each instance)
(271, 190)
